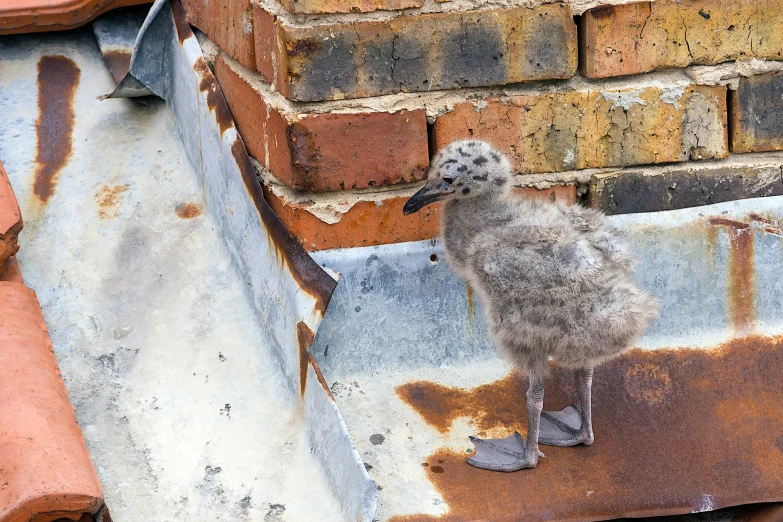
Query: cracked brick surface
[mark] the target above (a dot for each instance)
(757, 113)
(560, 131)
(681, 186)
(641, 37)
(323, 152)
(415, 53)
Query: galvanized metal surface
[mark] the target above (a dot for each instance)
(179, 308)
(691, 421)
(156, 258)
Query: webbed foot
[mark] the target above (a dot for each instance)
(564, 428)
(506, 454)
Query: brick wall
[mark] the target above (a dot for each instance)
(631, 107)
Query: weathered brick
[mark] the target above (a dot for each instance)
(563, 193)
(347, 6)
(323, 152)
(361, 223)
(691, 185)
(757, 113)
(228, 23)
(559, 131)
(416, 53)
(641, 37)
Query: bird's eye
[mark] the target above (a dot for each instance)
(449, 180)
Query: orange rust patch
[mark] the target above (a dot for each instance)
(108, 200)
(741, 273)
(58, 78)
(647, 383)
(494, 405)
(188, 210)
(181, 21)
(118, 63)
(215, 99)
(304, 336)
(720, 438)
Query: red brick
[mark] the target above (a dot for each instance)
(324, 152)
(228, 23)
(563, 193)
(367, 223)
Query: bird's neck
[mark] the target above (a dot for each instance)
(473, 210)
(463, 219)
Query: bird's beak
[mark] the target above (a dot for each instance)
(434, 190)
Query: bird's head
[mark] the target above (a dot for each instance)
(461, 170)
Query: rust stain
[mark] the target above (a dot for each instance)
(188, 210)
(108, 200)
(215, 99)
(647, 383)
(490, 407)
(304, 336)
(118, 63)
(741, 273)
(310, 277)
(58, 78)
(715, 431)
(321, 379)
(771, 226)
(181, 21)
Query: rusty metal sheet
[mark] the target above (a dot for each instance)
(181, 310)
(690, 421)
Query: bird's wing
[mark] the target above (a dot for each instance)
(526, 260)
(601, 234)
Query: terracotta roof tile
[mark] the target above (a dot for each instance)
(30, 16)
(46, 473)
(10, 219)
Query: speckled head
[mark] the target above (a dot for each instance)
(463, 169)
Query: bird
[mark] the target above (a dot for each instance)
(556, 281)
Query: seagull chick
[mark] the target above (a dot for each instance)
(555, 281)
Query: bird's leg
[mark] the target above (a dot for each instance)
(512, 453)
(573, 425)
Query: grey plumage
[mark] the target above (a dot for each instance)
(555, 279)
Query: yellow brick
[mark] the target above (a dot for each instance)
(641, 37)
(559, 131)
